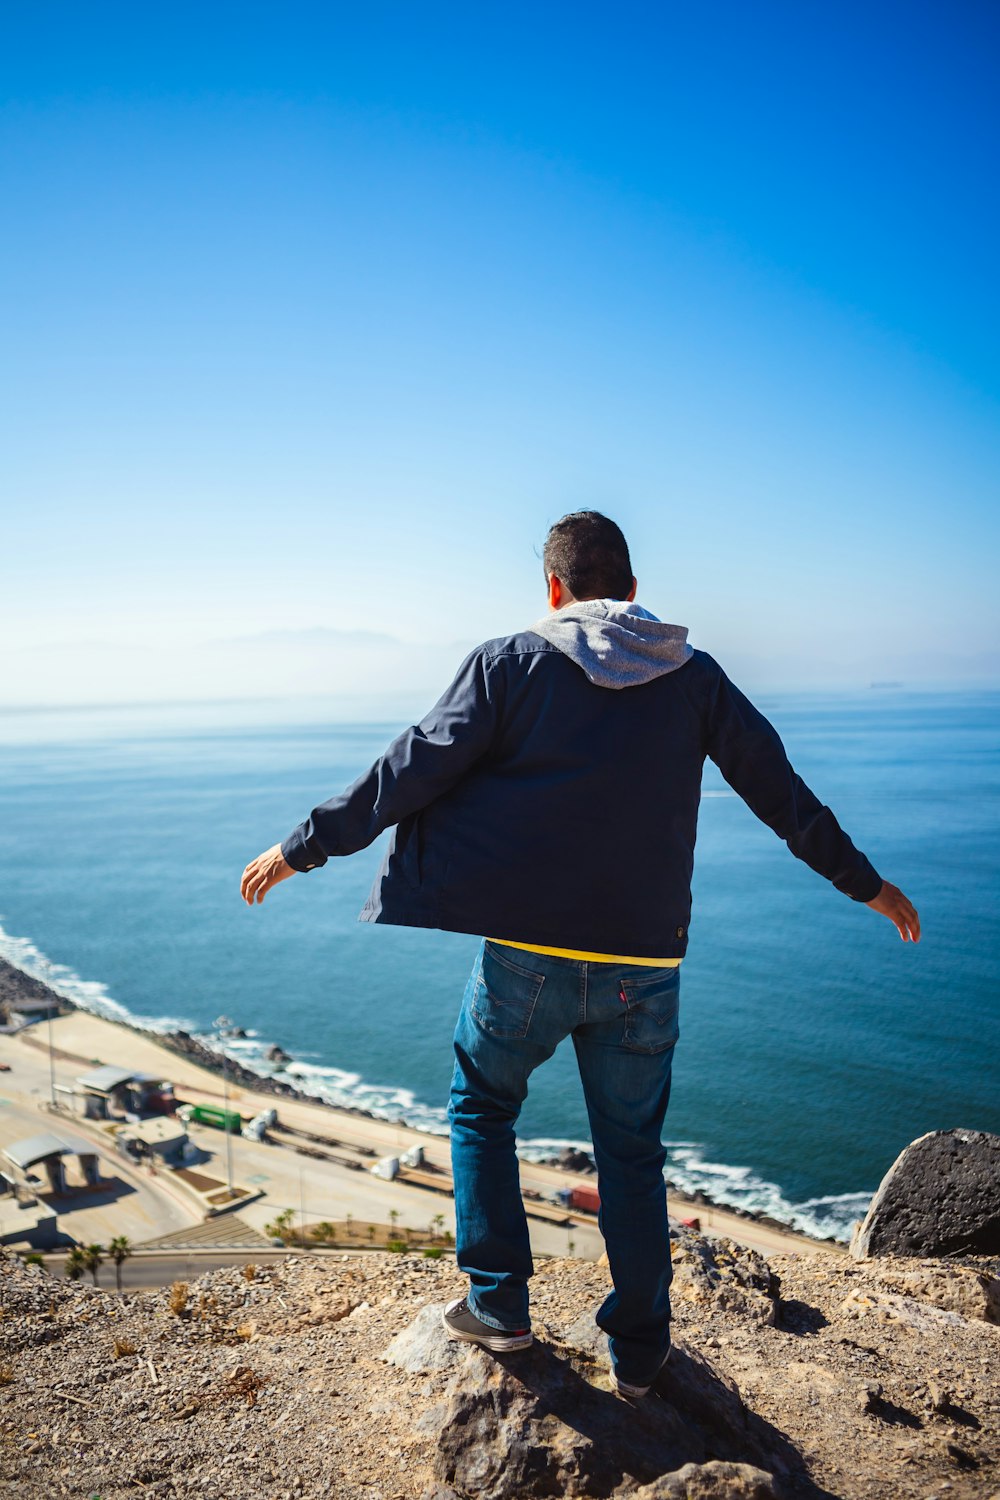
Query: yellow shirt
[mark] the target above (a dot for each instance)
(593, 958)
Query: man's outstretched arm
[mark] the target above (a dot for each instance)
(749, 753)
(419, 766)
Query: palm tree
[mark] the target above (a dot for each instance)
(437, 1224)
(93, 1257)
(393, 1218)
(76, 1263)
(119, 1249)
(349, 1224)
(372, 1232)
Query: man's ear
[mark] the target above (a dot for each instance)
(629, 597)
(556, 592)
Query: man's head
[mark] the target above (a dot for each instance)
(586, 557)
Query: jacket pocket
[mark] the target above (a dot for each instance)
(505, 995)
(652, 1016)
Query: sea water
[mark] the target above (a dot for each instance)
(814, 1044)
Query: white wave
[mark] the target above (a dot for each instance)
(733, 1187)
(336, 1086)
(740, 1187)
(86, 994)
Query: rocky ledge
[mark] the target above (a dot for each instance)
(321, 1377)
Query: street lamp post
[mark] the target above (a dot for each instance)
(222, 1024)
(52, 1066)
(302, 1206)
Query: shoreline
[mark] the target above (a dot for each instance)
(194, 1055)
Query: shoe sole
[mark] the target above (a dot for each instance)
(634, 1392)
(498, 1344)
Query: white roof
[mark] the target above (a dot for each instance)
(103, 1080)
(24, 1154)
(160, 1128)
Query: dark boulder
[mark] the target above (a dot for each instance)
(941, 1196)
(572, 1160)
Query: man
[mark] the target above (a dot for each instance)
(550, 800)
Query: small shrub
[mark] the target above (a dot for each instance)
(280, 1227)
(398, 1247)
(123, 1347)
(34, 1259)
(249, 1272)
(178, 1303)
(6, 1374)
(433, 1252)
(207, 1305)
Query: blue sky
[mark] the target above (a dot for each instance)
(315, 317)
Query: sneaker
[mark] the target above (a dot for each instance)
(460, 1322)
(633, 1392)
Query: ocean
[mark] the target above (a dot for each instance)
(814, 1044)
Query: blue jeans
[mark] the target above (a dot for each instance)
(517, 1008)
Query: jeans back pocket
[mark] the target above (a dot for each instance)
(503, 1001)
(652, 1016)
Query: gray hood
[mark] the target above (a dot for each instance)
(617, 644)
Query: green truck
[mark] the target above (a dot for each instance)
(211, 1114)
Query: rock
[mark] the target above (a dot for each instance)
(711, 1481)
(423, 1345)
(689, 1382)
(585, 1335)
(941, 1196)
(572, 1160)
(276, 1054)
(733, 1277)
(891, 1307)
(543, 1421)
(959, 1289)
(870, 1398)
(940, 1398)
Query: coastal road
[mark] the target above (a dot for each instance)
(147, 1269)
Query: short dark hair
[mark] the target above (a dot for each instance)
(588, 553)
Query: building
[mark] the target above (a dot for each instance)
(110, 1090)
(162, 1137)
(35, 1165)
(24, 1012)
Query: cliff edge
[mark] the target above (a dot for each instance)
(332, 1377)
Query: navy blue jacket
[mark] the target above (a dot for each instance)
(533, 805)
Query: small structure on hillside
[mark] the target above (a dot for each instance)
(24, 1012)
(109, 1090)
(36, 1164)
(162, 1137)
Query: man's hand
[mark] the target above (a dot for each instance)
(891, 903)
(263, 872)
